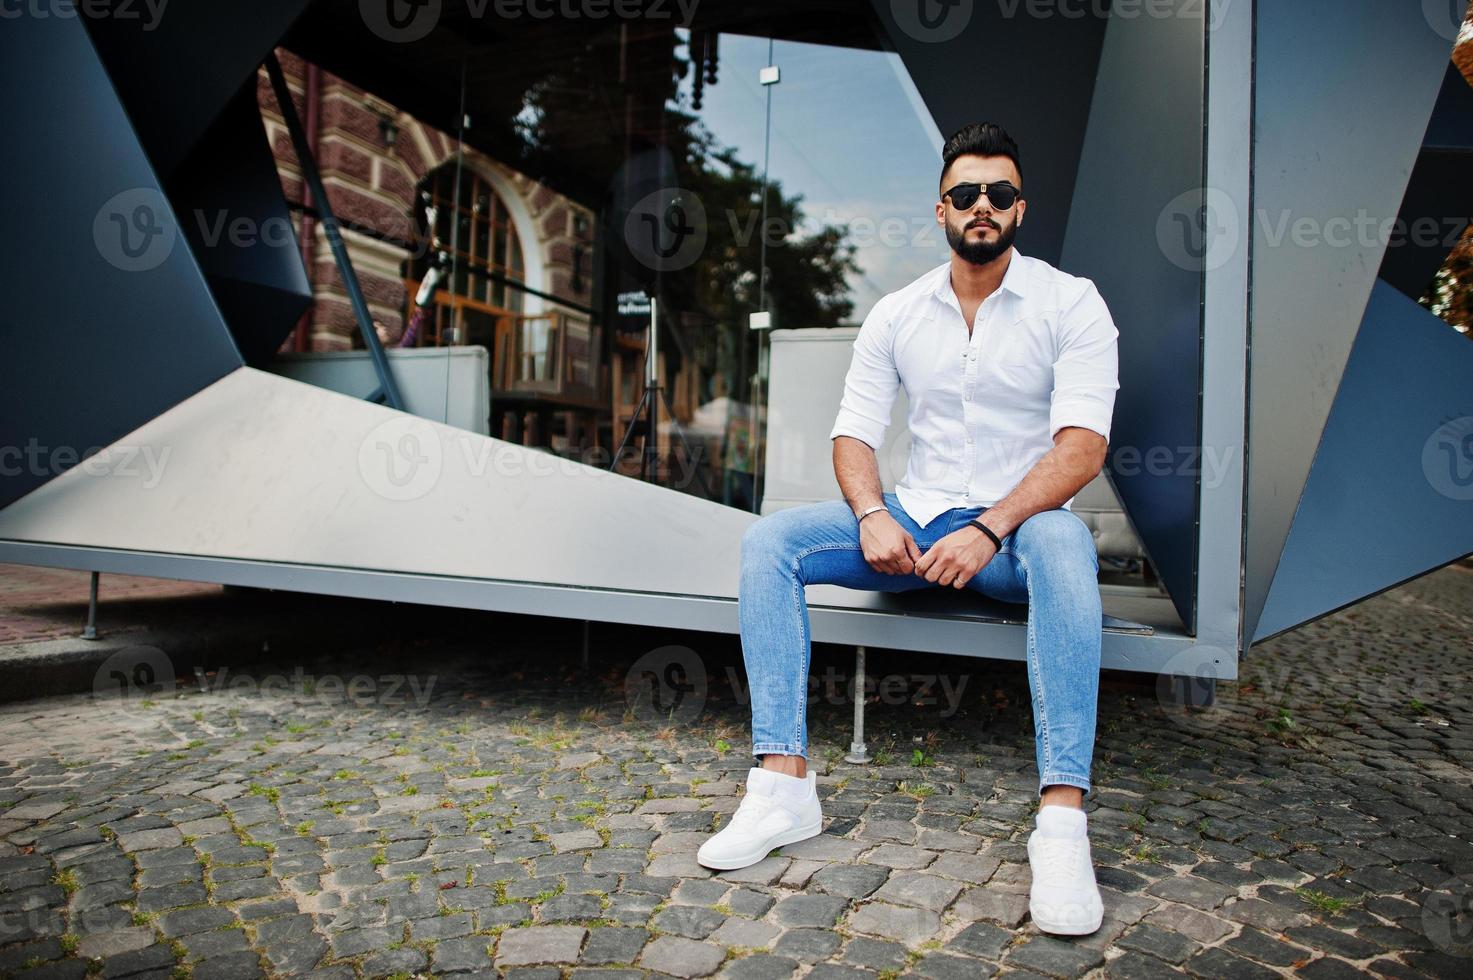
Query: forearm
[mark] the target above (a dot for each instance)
(858, 473)
(1055, 478)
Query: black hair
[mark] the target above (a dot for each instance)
(982, 139)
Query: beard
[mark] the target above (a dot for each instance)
(984, 251)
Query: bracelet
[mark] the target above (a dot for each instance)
(987, 531)
(873, 510)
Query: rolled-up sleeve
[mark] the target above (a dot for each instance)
(872, 382)
(1086, 372)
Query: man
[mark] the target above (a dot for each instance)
(1010, 369)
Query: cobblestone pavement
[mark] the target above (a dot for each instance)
(492, 807)
(51, 603)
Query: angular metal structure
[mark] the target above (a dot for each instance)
(1293, 432)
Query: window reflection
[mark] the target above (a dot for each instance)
(662, 135)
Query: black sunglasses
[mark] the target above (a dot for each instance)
(1000, 194)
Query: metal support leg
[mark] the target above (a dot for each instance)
(1193, 692)
(89, 632)
(858, 754)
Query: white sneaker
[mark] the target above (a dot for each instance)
(1064, 899)
(777, 810)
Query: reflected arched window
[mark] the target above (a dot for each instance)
(482, 266)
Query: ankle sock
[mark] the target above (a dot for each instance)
(788, 789)
(1062, 821)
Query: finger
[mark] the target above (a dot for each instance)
(912, 548)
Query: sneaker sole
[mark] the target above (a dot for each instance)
(1061, 927)
(782, 840)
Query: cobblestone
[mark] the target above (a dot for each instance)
(514, 819)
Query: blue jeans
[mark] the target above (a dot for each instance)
(1049, 562)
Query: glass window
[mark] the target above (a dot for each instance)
(471, 231)
(666, 132)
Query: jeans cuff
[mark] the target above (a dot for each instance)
(1063, 779)
(777, 748)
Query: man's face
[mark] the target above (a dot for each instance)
(981, 233)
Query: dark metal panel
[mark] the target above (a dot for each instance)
(108, 320)
(1033, 75)
(1153, 161)
(1434, 216)
(1451, 127)
(228, 195)
(1390, 495)
(1344, 90)
(1434, 212)
(175, 71)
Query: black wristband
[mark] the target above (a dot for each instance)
(987, 531)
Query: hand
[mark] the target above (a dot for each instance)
(888, 547)
(956, 558)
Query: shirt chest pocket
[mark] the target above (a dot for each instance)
(1021, 377)
(1022, 362)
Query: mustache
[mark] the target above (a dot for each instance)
(982, 223)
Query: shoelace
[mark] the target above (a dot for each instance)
(753, 808)
(1057, 862)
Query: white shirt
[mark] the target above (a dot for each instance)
(983, 409)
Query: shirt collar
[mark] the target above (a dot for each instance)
(1012, 280)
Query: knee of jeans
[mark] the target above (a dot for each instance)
(763, 538)
(1055, 533)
